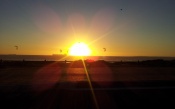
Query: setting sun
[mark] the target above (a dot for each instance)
(80, 49)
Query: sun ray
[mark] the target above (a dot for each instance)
(90, 84)
(102, 36)
(73, 29)
(106, 34)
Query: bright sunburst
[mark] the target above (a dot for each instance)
(80, 49)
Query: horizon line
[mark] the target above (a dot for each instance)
(88, 56)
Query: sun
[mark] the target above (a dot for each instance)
(80, 49)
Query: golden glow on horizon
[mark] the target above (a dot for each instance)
(80, 49)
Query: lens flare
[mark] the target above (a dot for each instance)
(46, 77)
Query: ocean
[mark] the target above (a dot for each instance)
(14, 57)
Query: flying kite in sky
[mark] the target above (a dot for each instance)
(16, 47)
(104, 49)
(61, 50)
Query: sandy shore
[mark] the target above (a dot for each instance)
(26, 72)
(53, 85)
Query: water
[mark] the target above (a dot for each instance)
(73, 58)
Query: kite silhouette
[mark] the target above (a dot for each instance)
(61, 50)
(16, 47)
(104, 49)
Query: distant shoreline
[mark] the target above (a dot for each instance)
(89, 63)
(59, 57)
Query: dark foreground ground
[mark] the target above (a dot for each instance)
(53, 85)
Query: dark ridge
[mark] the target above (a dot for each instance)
(89, 63)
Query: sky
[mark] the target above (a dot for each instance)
(123, 27)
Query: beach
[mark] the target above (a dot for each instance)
(88, 85)
(87, 54)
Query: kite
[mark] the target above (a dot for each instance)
(61, 50)
(104, 49)
(16, 47)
